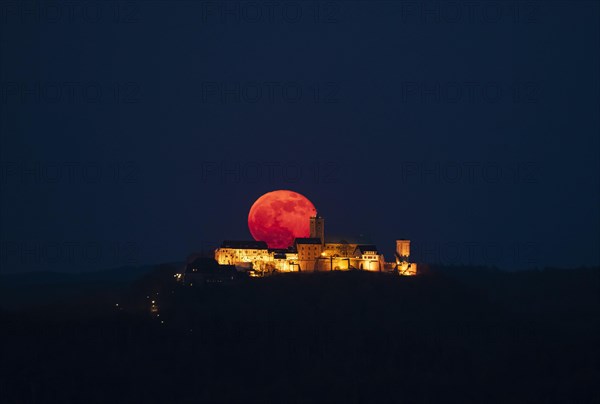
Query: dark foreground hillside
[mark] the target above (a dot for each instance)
(451, 335)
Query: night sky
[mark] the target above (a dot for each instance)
(139, 132)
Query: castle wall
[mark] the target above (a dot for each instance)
(312, 256)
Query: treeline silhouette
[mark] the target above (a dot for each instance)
(452, 334)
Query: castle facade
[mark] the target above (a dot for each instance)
(313, 254)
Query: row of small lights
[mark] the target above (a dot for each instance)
(154, 307)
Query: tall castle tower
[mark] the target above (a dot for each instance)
(317, 228)
(403, 249)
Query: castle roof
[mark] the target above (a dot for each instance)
(312, 240)
(244, 244)
(366, 247)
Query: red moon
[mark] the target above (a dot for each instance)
(278, 217)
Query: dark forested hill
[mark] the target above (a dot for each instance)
(449, 335)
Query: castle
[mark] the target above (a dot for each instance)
(312, 254)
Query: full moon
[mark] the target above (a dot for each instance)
(279, 217)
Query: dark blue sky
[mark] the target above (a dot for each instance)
(139, 132)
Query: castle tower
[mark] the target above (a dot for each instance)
(317, 228)
(402, 249)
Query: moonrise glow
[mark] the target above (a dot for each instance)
(279, 217)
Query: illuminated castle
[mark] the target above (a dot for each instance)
(312, 254)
